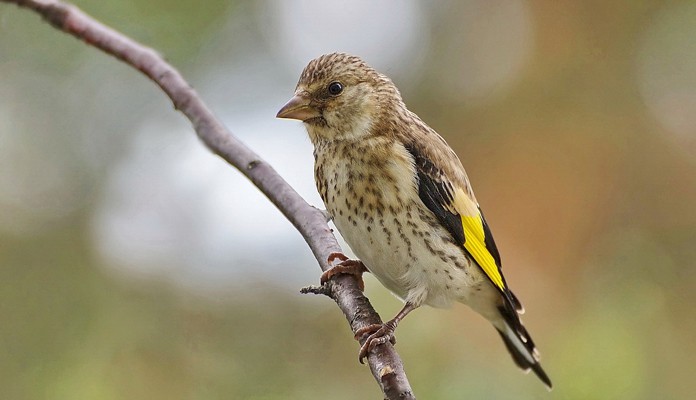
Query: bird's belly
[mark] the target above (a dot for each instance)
(413, 259)
(374, 200)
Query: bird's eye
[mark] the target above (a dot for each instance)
(335, 88)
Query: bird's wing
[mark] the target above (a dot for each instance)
(444, 189)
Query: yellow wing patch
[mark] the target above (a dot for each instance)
(474, 237)
(475, 244)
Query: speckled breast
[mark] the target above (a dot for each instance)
(374, 201)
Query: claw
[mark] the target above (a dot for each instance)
(333, 256)
(379, 334)
(346, 266)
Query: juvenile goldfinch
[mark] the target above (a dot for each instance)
(402, 200)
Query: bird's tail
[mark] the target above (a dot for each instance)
(517, 339)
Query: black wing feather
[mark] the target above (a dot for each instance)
(489, 242)
(436, 193)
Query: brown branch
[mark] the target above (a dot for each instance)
(384, 362)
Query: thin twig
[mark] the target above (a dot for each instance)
(385, 363)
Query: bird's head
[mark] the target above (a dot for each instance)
(340, 97)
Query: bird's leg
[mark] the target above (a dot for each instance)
(346, 266)
(381, 333)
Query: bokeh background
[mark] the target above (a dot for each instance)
(136, 265)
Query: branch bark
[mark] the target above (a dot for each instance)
(384, 362)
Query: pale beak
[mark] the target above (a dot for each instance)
(298, 108)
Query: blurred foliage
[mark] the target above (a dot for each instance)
(590, 197)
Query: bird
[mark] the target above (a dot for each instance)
(401, 199)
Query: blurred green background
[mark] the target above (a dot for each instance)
(134, 264)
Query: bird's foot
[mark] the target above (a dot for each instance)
(378, 334)
(381, 333)
(345, 266)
